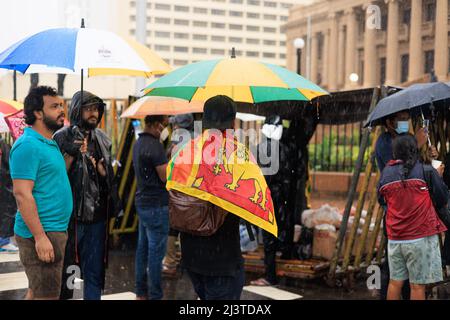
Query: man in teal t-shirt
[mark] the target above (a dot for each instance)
(43, 194)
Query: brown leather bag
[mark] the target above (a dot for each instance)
(194, 216)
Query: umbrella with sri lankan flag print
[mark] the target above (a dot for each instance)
(216, 168)
(243, 80)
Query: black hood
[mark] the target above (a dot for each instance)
(75, 106)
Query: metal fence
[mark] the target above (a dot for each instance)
(336, 147)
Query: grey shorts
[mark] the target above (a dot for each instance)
(418, 261)
(43, 278)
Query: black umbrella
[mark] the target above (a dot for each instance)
(416, 99)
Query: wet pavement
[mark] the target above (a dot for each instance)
(120, 279)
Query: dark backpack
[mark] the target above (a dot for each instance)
(444, 212)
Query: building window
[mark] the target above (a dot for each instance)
(220, 52)
(382, 70)
(286, 5)
(283, 43)
(270, 17)
(320, 42)
(252, 54)
(218, 25)
(200, 24)
(404, 67)
(252, 41)
(270, 42)
(162, 6)
(270, 4)
(180, 49)
(159, 47)
(384, 22)
(178, 62)
(132, 32)
(430, 11)
(217, 12)
(270, 30)
(235, 27)
(201, 10)
(237, 1)
(162, 20)
(235, 14)
(429, 61)
(252, 28)
(181, 9)
(269, 55)
(149, 19)
(218, 38)
(253, 15)
(238, 53)
(282, 56)
(200, 37)
(162, 34)
(178, 35)
(200, 50)
(132, 4)
(406, 19)
(235, 39)
(148, 33)
(253, 2)
(181, 22)
(133, 18)
(284, 18)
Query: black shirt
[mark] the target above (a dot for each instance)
(215, 255)
(148, 153)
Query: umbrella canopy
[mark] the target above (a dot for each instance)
(161, 105)
(415, 98)
(3, 125)
(70, 50)
(10, 106)
(243, 80)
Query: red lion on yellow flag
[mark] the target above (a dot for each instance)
(215, 167)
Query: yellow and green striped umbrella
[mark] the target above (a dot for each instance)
(243, 80)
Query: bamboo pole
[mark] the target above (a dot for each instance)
(368, 219)
(376, 231)
(359, 207)
(334, 261)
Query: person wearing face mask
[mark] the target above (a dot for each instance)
(152, 199)
(396, 124)
(280, 184)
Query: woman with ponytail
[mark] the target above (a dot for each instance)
(412, 224)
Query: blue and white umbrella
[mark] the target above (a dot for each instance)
(71, 50)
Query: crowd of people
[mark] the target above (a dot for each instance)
(66, 193)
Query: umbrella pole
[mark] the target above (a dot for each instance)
(15, 85)
(81, 94)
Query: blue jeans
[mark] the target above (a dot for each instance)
(218, 287)
(91, 250)
(151, 248)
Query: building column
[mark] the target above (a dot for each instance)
(341, 56)
(314, 55)
(350, 54)
(416, 67)
(325, 57)
(332, 53)
(392, 75)
(370, 55)
(441, 40)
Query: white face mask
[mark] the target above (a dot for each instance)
(164, 134)
(272, 131)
